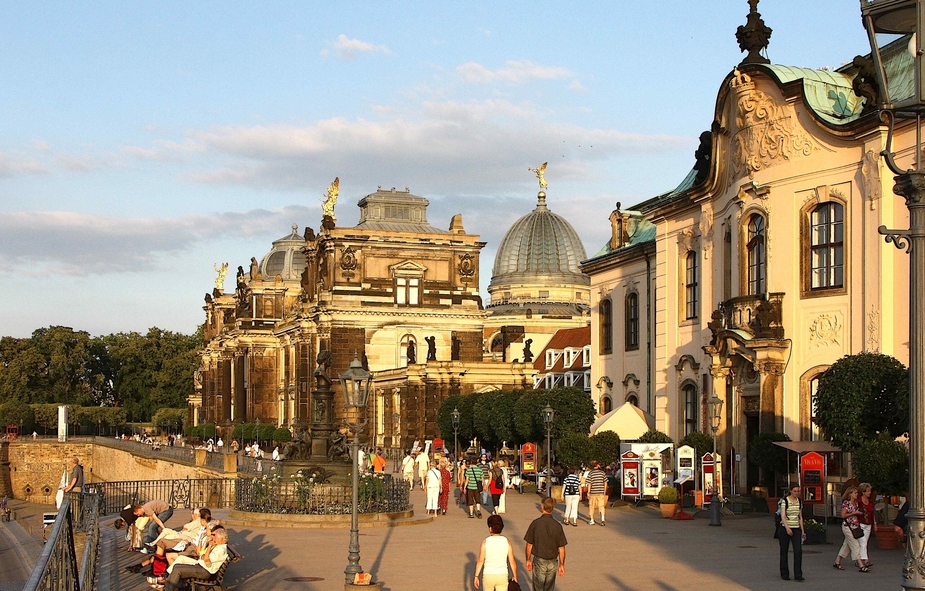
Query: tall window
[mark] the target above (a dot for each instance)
(691, 405)
(606, 326)
(815, 433)
(632, 321)
(691, 286)
(407, 291)
(757, 255)
(827, 257)
(606, 404)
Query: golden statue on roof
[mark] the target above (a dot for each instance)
(222, 271)
(327, 208)
(540, 172)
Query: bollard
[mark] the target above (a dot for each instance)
(715, 512)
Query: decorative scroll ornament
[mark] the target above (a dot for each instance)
(824, 331)
(751, 403)
(348, 262)
(873, 331)
(766, 135)
(466, 268)
(871, 171)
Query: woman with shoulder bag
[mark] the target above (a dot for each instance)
(791, 522)
(866, 519)
(496, 486)
(851, 529)
(495, 555)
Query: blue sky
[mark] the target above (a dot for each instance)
(140, 144)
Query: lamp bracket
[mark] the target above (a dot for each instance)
(890, 118)
(901, 239)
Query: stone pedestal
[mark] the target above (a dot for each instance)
(322, 417)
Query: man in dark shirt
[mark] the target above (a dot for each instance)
(545, 548)
(76, 482)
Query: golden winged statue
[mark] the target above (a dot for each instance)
(327, 208)
(222, 271)
(540, 172)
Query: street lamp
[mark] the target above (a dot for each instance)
(902, 17)
(716, 409)
(455, 414)
(257, 435)
(548, 416)
(355, 382)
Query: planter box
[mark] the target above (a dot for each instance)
(886, 537)
(815, 537)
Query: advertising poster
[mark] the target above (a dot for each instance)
(812, 477)
(629, 462)
(708, 478)
(528, 458)
(685, 457)
(652, 477)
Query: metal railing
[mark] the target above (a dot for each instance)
(216, 461)
(186, 455)
(57, 568)
(215, 493)
(273, 494)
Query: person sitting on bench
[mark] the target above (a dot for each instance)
(211, 558)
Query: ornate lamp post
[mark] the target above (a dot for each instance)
(455, 414)
(716, 409)
(548, 416)
(257, 431)
(356, 384)
(900, 17)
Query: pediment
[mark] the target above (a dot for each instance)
(407, 267)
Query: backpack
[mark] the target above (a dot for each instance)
(498, 482)
(159, 566)
(571, 486)
(778, 522)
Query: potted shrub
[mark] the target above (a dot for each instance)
(884, 463)
(668, 500)
(815, 532)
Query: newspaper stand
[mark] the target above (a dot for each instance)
(707, 467)
(630, 486)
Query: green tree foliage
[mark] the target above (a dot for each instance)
(493, 417)
(884, 463)
(701, 442)
(238, 431)
(605, 447)
(861, 396)
(18, 414)
(282, 435)
(267, 431)
(574, 450)
(574, 413)
(207, 430)
(655, 436)
(249, 432)
(769, 457)
(170, 419)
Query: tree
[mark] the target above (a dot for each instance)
(574, 413)
(701, 442)
(884, 463)
(605, 447)
(861, 396)
(282, 435)
(16, 413)
(655, 436)
(169, 419)
(769, 457)
(574, 450)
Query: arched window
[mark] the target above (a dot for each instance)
(691, 406)
(606, 319)
(756, 247)
(691, 286)
(606, 404)
(827, 256)
(632, 321)
(633, 399)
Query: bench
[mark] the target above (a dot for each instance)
(215, 580)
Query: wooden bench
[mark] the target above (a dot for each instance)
(216, 579)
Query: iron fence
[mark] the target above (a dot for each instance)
(215, 493)
(186, 455)
(272, 493)
(216, 461)
(254, 465)
(56, 569)
(85, 509)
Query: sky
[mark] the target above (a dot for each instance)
(141, 143)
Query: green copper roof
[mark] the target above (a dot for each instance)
(640, 230)
(828, 94)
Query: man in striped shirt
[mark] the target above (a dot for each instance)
(597, 491)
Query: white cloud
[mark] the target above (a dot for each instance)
(11, 166)
(515, 71)
(346, 49)
(69, 243)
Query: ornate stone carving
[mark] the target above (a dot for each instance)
(466, 268)
(873, 331)
(753, 36)
(825, 330)
(751, 404)
(348, 262)
(706, 231)
(773, 368)
(765, 131)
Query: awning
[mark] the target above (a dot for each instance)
(801, 447)
(628, 421)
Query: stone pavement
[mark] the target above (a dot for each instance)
(636, 551)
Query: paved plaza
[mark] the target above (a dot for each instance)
(636, 551)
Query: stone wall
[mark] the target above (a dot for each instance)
(36, 467)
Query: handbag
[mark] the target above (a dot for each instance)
(857, 532)
(513, 585)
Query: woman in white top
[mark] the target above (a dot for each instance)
(495, 555)
(433, 478)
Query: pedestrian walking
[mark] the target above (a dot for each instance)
(472, 484)
(379, 462)
(571, 488)
(446, 480)
(850, 524)
(407, 469)
(433, 488)
(597, 492)
(496, 486)
(423, 463)
(506, 485)
(495, 554)
(866, 519)
(545, 550)
(791, 531)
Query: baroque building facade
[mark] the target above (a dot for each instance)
(397, 292)
(762, 268)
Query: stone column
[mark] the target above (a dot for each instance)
(771, 385)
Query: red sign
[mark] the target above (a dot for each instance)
(438, 444)
(528, 458)
(812, 477)
(629, 463)
(709, 480)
